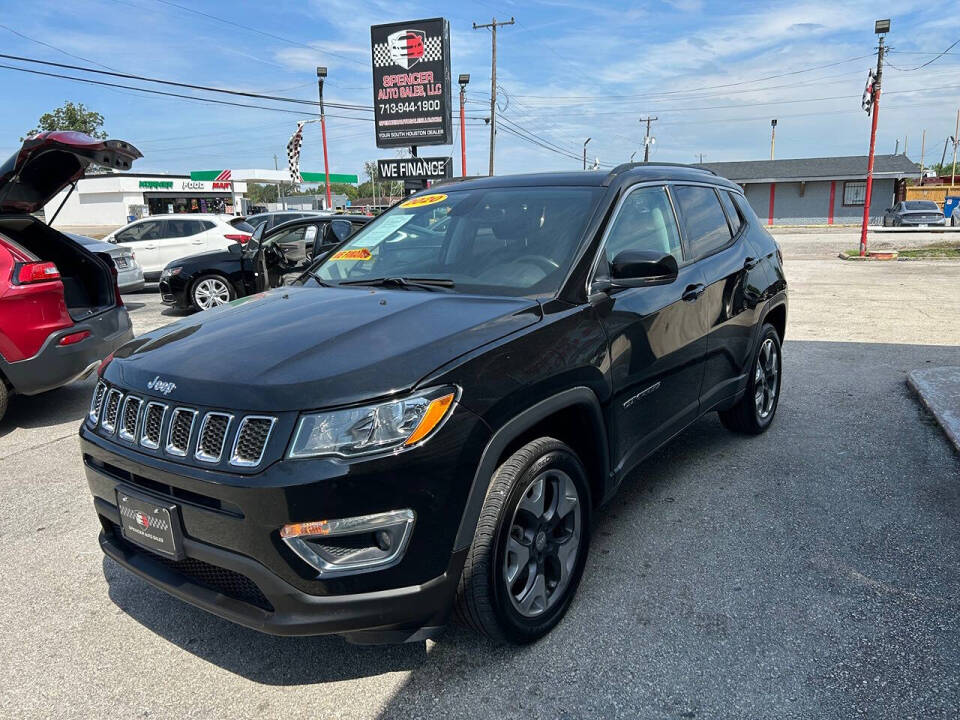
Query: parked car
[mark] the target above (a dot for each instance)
(426, 422)
(129, 272)
(914, 213)
(161, 238)
(272, 219)
(955, 217)
(214, 278)
(60, 307)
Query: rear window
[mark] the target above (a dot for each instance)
(921, 205)
(733, 214)
(704, 223)
(242, 225)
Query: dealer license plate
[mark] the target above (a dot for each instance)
(120, 262)
(922, 226)
(150, 524)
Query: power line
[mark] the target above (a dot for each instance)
(54, 47)
(171, 94)
(260, 32)
(190, 86)
(952, 45)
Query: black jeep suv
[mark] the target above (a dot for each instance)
(426, 420)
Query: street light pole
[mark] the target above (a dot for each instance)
(321, 74)
(956, 140)
(881, 27)
(464, 79)
(773, 136)
(585, 153)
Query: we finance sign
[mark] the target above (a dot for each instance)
(425, 168)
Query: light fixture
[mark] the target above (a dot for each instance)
(881, 26)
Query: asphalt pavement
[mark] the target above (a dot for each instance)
(810, 572)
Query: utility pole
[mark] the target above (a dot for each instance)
(647, 140)
(321, 74)
(493, 81)
(585, 152)
(923, 147)
(880, 27)
(956, 139)
(773, 135)
(896, 148)
(464, 79)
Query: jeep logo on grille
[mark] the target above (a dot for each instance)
(161, 386)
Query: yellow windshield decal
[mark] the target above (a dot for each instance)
(424, 200)
(354, 254)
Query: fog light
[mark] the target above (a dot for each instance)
(351, 545)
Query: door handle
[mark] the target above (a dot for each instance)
(149, 247)
(750, 263)
(693, 292)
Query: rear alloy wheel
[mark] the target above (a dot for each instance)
(211, 291)
(754, 412)
(530, 546)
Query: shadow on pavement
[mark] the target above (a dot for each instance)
(66, 404)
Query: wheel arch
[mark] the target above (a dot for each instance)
(777, 316)
(574, 417)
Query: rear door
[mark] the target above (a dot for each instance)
(178, 238)
(657, 334)
(715, 238)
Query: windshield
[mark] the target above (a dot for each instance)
(921, 205)
(506, 241)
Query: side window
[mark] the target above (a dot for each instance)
(139, 232)
(733, 215)
(704, 223)
(209, 225)
(645, 221)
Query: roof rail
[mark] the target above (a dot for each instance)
(447, 181)
(623, 167)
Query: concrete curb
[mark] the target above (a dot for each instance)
(930, 258)
(939, 392)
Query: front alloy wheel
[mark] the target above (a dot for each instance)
(754, 412)
(543, 543)
(530, 545)
(210, 292)
(766, 379)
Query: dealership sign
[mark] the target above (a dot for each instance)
(411, 83)
(429, 168)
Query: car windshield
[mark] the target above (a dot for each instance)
(517, 241)
(921, 205)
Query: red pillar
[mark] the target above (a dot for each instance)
(833, 197)
(773, 194)
(463, 138)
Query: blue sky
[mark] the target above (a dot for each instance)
(567, 70)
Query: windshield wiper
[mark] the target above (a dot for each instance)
(404, 282)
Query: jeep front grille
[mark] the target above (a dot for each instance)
(152, 425)
(129, 417)
(251, 440)
(181, 427)
(213, 434)
(96, 404)
(111, 411)
(216, 438)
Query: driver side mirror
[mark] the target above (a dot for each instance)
(637, 268)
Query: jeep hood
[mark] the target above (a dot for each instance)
(49, 161)
(299, 348)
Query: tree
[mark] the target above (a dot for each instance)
(71, 116)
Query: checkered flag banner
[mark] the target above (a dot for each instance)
(293, 154)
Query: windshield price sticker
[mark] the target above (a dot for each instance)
(352, 254)
(424, 200)
(384, 228)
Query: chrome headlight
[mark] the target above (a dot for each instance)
(167, 272)
(392, 425)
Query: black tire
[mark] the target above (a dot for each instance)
(485, 601)
(214, 279)
(4, 398)
(747, 416)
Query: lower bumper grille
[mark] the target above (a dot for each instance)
(221, 580)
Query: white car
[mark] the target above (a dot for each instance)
(160, 239)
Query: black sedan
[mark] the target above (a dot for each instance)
(269, 259)
(914, 213)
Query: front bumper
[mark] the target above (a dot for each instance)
(56, 365)
(238, 568)
(173, 292)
